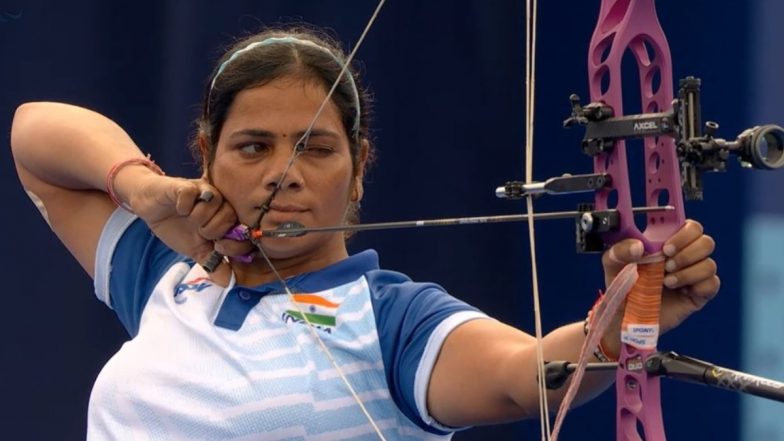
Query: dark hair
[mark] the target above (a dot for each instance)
(265, 63)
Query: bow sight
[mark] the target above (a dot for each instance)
(760, 147)
(698, 151)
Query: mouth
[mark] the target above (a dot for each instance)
(287, 208)
(283, 208)
(282, 213)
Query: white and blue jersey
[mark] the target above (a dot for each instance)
(238, 363)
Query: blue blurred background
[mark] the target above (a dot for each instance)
(447, 77)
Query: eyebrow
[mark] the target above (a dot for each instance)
(261, 133)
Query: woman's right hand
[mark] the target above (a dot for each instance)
(189, 215)
(63, 154)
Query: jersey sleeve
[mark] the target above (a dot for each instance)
(129, 262)
(413, 321)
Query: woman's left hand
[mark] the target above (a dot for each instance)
(690, 279)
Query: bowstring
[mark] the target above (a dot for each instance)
(530, 80)
(531, 10)
(299, 147)
(301, 143)
(327, 352)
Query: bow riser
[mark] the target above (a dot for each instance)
(633, 25)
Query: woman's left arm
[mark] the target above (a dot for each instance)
(486, 370)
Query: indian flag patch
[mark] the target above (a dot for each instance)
(320, 312)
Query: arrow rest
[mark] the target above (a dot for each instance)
(589, 226)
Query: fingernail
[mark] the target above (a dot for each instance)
(206, 196)
(670, 265)
(669, 250)
(670, 281)
(636, 249)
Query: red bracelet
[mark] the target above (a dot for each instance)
(147, 162)
(602, 355)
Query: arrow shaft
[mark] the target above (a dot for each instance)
(298, 231)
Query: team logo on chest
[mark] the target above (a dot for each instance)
(320, 312)
(196, 285)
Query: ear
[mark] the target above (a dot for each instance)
(359, 175)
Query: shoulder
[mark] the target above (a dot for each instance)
(413, 319)
(395, 293)
(130, 261)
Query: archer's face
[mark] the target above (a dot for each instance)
(256, 142)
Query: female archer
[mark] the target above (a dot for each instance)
(291, 337)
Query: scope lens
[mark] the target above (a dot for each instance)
(767, 147)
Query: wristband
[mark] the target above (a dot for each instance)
(116, 169)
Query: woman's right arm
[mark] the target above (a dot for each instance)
(63, 154)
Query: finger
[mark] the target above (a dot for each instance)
(204, 251)
(692, 275)
(694, 252)
(622, 253)
(218, 223)
(688, 233)
(174, 192)
(229, 247)
(704, 291)
(679, 304)
(198, 199)
(697, 295)
(183, 196)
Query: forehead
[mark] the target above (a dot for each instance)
(285, 104)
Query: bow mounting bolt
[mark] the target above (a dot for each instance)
(590, 224)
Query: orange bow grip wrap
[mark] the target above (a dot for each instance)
(640, 326)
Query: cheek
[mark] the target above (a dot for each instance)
(341, 185)
(335, 194)
(229, 180)
(334, 199)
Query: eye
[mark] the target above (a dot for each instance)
(253, 148)
(316, 149)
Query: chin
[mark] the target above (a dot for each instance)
(278, 248)
(311, 246)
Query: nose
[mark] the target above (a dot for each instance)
(283, 170)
